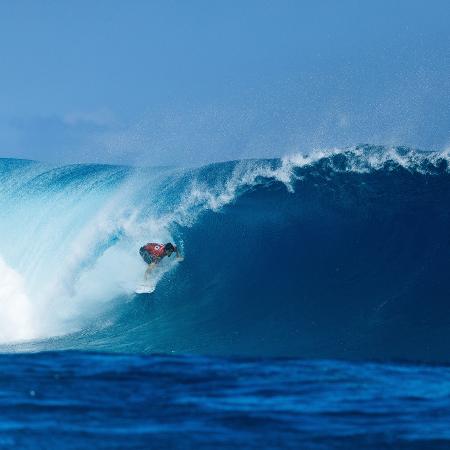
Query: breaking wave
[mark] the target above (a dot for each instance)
(340, 253)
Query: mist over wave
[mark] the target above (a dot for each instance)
(333, 254)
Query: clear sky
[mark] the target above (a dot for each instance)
(187, 82)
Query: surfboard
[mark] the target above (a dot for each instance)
(145, 288)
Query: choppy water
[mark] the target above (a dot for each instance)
(85, 400)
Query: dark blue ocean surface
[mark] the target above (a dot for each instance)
(84, 400)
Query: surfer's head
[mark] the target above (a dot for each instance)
(169, 248)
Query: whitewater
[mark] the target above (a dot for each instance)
(326, 255)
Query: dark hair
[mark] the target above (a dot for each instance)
(169, 247)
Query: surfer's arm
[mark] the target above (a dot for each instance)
(179, 255)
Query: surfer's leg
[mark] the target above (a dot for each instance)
(150, 267)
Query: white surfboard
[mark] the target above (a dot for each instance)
(145, 288)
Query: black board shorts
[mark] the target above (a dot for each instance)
(146, 256)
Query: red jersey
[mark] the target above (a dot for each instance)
(156, 250)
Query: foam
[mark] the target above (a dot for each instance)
(365, 159)
(18, 315)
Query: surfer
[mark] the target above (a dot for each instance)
(153, 253)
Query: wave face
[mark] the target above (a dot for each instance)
(339, 254)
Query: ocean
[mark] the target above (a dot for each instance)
(311, 309)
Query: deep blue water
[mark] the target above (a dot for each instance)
(290, 266)
(84, 400)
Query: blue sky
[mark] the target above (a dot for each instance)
(188, 82)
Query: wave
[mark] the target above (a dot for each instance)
(340, 253)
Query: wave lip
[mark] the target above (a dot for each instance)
(366, 158)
